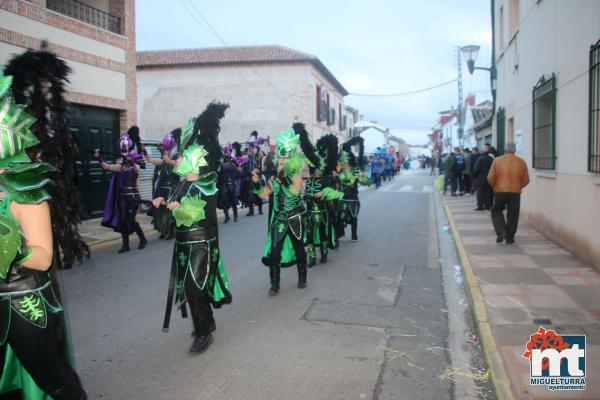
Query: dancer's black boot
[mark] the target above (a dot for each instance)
(324, 251)
(312, 257)
(125, 245)
(274, 273)
(203, 338)
(302, 271)
(226, 211)
(140, 233)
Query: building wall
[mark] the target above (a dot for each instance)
(320, 128)
(554, 36)
(103, 75)
(168, 97)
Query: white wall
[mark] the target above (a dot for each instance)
(554, 36)
(167, 98)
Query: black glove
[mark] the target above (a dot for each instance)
(283, 178)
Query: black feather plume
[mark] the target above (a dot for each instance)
(39, 79)
(305, 144)
(357, 140)
(206, 132)
(327, 146)
(237, 149)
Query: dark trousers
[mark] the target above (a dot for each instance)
(457, 182)
(485, 195)
(37, 350)
(128, 208)
(467, 183)
(278, 247)
(512, 202)
(448, 179)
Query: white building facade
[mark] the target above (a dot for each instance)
(268, 88)
(548, 89)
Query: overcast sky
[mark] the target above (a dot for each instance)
(375, 46)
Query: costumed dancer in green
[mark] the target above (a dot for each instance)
(350, 177)
(319, 194)
(198, 276)
(34, 353)
(285, 237)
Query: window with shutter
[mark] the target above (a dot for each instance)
(319, 104)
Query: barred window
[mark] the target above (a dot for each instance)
(594, 124)
(544, 123)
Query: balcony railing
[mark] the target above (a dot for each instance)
(85, 13)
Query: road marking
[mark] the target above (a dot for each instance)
(428, 188)
(406, 188)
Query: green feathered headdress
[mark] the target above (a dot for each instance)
(21, 178)
(192, 159)
(287, 142)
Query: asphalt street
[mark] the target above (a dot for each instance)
(372, 324)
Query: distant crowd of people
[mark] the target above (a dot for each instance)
(465, 173)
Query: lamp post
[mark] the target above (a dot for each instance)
(470, 54)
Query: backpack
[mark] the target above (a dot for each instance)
(459, 163)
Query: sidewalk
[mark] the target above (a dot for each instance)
(97, 236)
(517, 288)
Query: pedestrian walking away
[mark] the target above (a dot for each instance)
(481, 170)
(508, 176)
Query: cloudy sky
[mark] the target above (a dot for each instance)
(372, 47)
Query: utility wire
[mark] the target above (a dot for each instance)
(404, 93)
(232, 50)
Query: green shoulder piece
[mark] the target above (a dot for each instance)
(347, 178)
(364, 180)
(21, 178)
(208, 183)
(191, 210)
(10, 242)
(293, 166)
(329, 194)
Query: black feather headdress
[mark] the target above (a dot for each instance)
(347, 147)
(306, 146)
(327, 146)
(237, 149)
(206, 132)
(39, 79)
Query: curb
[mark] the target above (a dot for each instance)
(494, 361)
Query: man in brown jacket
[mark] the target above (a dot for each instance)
(508, 176)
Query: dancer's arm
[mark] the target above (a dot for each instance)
(34, 219)
(104, 165)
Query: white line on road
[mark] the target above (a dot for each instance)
(406, 188)
(428, 188)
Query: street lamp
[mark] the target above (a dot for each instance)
(470, 54)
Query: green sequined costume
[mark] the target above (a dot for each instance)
(34, 353)
(198, 276)
(319, 221)
(284, 245)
